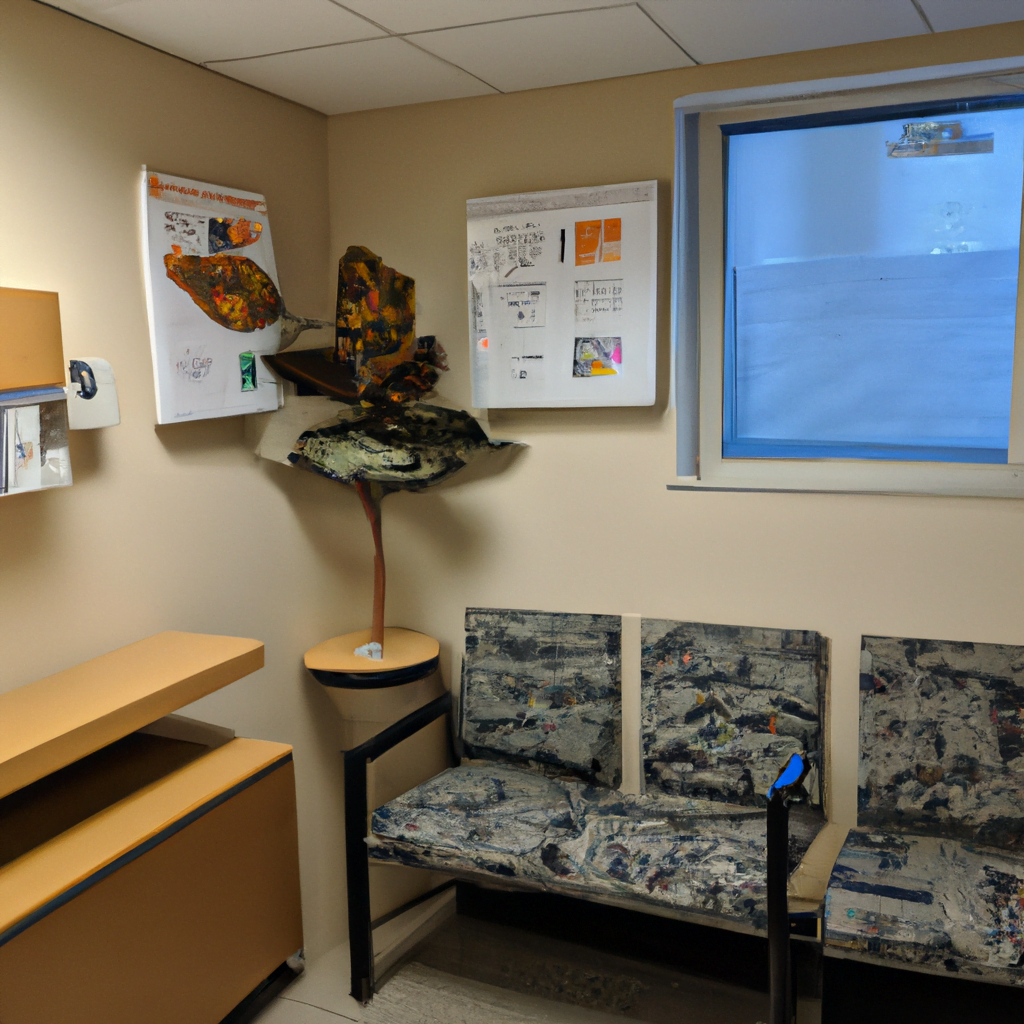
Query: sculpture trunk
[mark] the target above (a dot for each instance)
(370, 495)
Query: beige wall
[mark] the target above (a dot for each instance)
(180, 527)
(176, 527)
(583, 521)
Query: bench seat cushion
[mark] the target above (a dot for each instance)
(691, 858)
(929, 902)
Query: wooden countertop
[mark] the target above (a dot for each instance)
(48, 724)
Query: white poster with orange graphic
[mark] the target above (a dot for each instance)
(562, 297)
(212, 293)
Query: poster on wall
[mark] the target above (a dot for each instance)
(562, 297)
(213, 298)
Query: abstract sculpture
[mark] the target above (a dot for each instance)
(382, 439)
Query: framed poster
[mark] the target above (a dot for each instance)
(562, 297)
(212, 292)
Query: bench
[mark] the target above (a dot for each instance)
(538, 801)
(933, 876)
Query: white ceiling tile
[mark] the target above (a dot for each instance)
(205, 30)
(950, 14)
(558, 49)
(384, 72)
(717, 30)
(86, 7)
(421, 15)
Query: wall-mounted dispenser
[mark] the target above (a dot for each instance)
(92, 394)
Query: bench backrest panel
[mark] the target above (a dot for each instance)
(725, 706)
(546, 687)
(942, 738)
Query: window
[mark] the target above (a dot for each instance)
(846, 292)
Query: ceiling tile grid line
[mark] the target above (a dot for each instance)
(921, 12)
(369, 21)
(406, 35)
(203, 31)
(404, 17)
(295, 49)
(713, 31)
(559, 49)
(648, 14)
(451, 63)
(589, 8)
(626, 23)
(384, 72)
(595, 5)
(343, 55)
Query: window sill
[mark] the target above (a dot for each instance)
(852, 477)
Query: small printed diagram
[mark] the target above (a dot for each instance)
(598, 241)
(198, 234)
(511, 247)
(597, 298)
(597, 357)
(528, 367)
(524, 305)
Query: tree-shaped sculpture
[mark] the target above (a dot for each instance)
(382, 439)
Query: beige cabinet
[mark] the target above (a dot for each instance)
(148, 864)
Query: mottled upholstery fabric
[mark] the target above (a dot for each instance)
(703, 860)
(725, 706)
(934, 875)
(535, 806)
(941, 743)
(544, 687)
(929, 902)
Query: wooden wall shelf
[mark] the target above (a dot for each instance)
(47, 725)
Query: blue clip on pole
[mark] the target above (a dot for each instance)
(783, 789)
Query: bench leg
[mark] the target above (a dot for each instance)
(780, 978)
(808, 959)
(360, 931)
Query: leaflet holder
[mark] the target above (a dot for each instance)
(33, 401)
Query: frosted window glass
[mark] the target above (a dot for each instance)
(871, 282)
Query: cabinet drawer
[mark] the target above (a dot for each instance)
(169, 905)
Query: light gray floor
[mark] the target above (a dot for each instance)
(472, 972)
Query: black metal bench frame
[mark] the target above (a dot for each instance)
(361, 925)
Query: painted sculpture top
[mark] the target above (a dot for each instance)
(381, 439)
(377, 358)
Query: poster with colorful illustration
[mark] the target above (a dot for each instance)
(214, 303)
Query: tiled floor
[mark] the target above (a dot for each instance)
(318, 996)
(471, 972)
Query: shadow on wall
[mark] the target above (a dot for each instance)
(333, 522)
(28, 523)
(213, 442)
(86, 449)
(632, 419)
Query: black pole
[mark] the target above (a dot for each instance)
(360, 933)
(778, 911)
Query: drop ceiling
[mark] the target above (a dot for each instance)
(337, 57)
